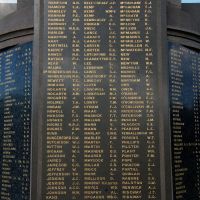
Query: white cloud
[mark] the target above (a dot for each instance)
(8, 1)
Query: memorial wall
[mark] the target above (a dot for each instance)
(184, 66)
(99, 128)
(110, 108)
(15, 121)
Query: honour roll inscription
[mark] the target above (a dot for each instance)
(101, 138)
(15, 122)
(184, 97)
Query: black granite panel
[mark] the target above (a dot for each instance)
(185, 120)
(15, 122)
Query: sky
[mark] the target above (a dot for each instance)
(190, 1)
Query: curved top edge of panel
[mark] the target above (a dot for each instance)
(185, 19)
(16, 27)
